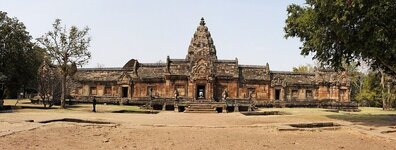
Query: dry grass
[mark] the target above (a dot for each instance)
(367, 116)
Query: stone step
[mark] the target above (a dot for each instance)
(200, 111)
(197, 109)
(200, 107)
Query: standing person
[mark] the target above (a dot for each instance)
(94, 105)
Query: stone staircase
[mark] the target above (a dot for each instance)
(200, 108)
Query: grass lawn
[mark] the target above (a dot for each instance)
(26, 105)
(368, 116)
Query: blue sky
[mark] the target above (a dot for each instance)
(150, 30)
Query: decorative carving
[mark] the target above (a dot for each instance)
(201, 44)
(344, 80)
(200, 70)
(201, 53)
(125, 78)
(277, 81)
(333, 77)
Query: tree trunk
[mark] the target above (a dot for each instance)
(384, 103)
(43, 98)
(63, 96)
(389, 97)
(44, 103)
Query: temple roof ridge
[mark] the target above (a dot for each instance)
(291, 72)
(226, 61)
(101, 69)
(251, 66)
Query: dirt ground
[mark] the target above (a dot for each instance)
(172, 130)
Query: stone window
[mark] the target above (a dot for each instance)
(181, 90)
(294, 94)
(251, 92)
(108, 90)
(151, 90)
(308, 94)
(93, 91)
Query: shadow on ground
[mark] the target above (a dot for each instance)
(377, 120)
(10, 108)
(77, 106)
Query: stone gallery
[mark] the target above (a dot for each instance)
(201, 78)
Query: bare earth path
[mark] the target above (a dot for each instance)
(171, 130)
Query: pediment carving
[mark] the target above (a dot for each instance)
(125, 78)
(201, 70)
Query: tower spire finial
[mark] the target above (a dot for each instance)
(202, 23)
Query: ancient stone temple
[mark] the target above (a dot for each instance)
(202, 78)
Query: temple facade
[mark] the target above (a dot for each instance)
(202, 77)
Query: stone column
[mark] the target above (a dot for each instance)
(271, 92)
(282, 94)
(209, 93)
(131, 89)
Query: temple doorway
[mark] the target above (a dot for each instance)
(277, 94)
(124, 91)
(200, 92)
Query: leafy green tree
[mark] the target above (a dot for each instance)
(375, 89)
(19, 59)
(346, 30)
(369, 93)
(67, 48)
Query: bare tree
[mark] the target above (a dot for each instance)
(49, 84)
(67, 49)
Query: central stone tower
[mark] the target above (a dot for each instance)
(201, 44)
(201, 53)
(202, 56)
